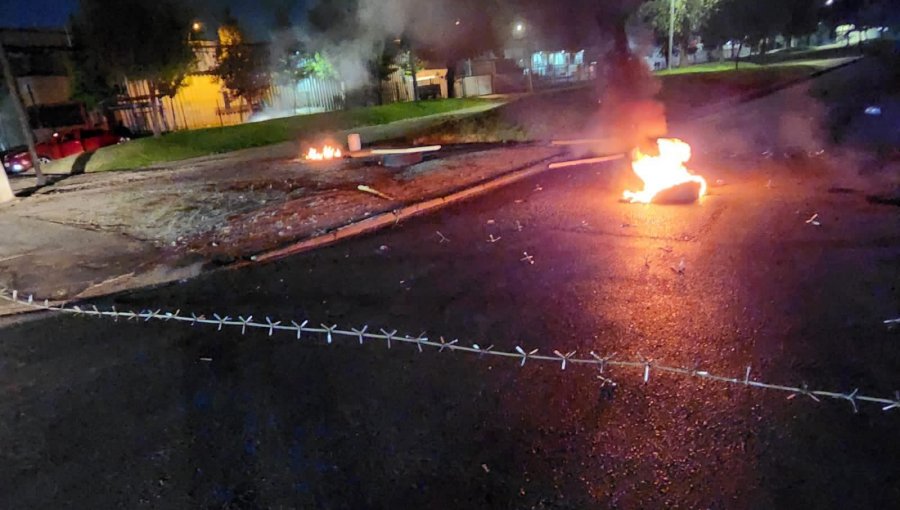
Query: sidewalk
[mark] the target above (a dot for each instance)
(97, 233)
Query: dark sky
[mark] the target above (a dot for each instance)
(254, 15)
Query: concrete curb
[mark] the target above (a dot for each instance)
(391, 218)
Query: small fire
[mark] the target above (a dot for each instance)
(328, 152)
(664, 171)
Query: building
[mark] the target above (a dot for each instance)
(39, 58)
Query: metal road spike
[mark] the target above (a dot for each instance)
(30, 299)
(851, 397)
(803, 390)
(360, 333)
(194, 318)
(482, 351)
(299, 327)
(896, 403)
(221, 320)
(747, 376)
(525, 355)
(15, 295)
(603, 361)
(328, 331)
(564, 357)
(420, 340)
(272, 325)
(244, 323)
(447, 345)
(390, 336)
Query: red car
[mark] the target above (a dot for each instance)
(60, 146)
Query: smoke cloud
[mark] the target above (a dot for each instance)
(363, 27)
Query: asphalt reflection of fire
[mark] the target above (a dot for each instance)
(666, 179)
(328, 152)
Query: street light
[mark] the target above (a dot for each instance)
(197, 26)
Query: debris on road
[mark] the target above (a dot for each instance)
(373, 191)
(442, 238)
(527, 258)
(587, 161)
(492, 239)
(679, 270)
(813, 221)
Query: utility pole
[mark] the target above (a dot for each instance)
(671, 31)
(23, 118)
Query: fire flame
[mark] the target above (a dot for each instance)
(328, 152)
(663, 171)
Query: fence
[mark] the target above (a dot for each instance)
(203, 102)
(602, 363)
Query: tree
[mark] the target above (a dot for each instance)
(751, 22)
(803, 17)
(133, 40)
(691, 17)
(241, 67)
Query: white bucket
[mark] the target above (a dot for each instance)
(354, 143)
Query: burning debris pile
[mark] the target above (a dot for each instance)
(327, 153)
(666, 179)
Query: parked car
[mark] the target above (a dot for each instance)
(61, 145)
(12, 162)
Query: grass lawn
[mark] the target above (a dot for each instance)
(202, 142)
(709, 67)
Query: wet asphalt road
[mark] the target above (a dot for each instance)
(123, 415)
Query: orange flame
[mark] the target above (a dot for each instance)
(328, 152)
(663, 171)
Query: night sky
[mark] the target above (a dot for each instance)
(255, 15)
